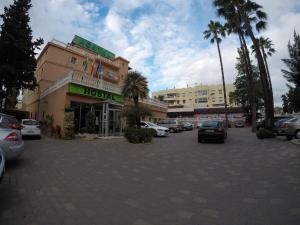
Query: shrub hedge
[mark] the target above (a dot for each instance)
(264, 133)
(139, 135)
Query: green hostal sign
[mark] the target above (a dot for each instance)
(95, 93)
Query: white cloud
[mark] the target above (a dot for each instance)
(164, 40)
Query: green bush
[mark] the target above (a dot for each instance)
(69, 125)
(264, 133)
(134, 114)
(90, 123)
(139, 135)
(83, 130)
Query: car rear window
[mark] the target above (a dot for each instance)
(210, 124)
(8, 121)
(30, 122)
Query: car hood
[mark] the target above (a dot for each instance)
(160, 128)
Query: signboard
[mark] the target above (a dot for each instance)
(92, 47)
(95, 93)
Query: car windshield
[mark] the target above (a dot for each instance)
(30, 122)
(151, 124)
(210, 124)
(293, 120)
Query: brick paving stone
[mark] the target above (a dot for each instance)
(171, 181)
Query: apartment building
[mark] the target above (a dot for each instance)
(198, 101)
(202, 96)
(82, 76)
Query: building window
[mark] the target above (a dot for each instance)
(73, 60)
(220, 92)
(84, 65)
(202, 92)
(201, 100)
(183, 101)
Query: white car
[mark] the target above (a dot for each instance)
(2, 164)
(160, 131)
(30, 127)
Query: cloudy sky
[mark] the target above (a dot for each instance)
(163, 39)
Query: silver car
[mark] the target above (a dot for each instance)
(2, 165)
(11, 141)
(291, 128)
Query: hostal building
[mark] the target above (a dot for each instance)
(82, 77)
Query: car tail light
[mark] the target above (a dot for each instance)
(285, 125)
(11, 137)
(22, 127)
(221, 129)
(38, 126)
(14, 126)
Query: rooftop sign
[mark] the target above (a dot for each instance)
(95, 93)
(92, 47)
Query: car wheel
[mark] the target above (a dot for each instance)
(297, 134)
(172, 130)
(199, 140)
(222, 140)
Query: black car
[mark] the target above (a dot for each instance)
(212, 130)
(187, 126)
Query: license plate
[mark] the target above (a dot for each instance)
(209, 131)
(30, 131)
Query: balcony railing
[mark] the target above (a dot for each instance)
(86, 54)
(81, 79)
(89, 81)
(154, 102)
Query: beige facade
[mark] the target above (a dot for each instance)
(202, 96)
(78, 73)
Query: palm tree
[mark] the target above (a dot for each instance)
(215, 31)
(251, 14)
(234, 26)
(135, 88)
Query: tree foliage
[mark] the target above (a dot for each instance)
(135, 88)
(242, 93)
(17, 58)
(291, 100)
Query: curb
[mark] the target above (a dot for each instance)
(296, 141)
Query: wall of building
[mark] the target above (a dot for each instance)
(203, 96)
(54, 104)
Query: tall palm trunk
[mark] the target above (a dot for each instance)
(268, 95)
(250, 77)
(224, 87)
(136, 105)
(267, 66)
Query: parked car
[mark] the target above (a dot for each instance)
(173, 125)
(212, 130)
(30, 127)
(2, 165)
(160, 131)
(262, 123)
(199, 124)
(291, 128)
(187, 126)
(239, 124)
(278, 126)
(11, 141)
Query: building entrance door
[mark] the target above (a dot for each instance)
(107, 117)
(109, 120)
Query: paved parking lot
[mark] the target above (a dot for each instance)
(171, 181)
